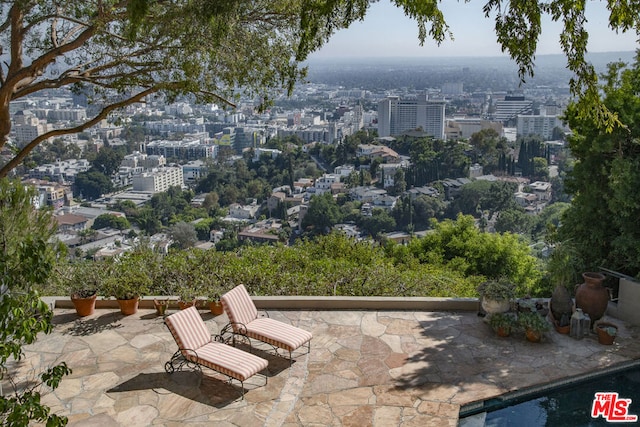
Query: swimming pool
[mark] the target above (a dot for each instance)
(567, 403)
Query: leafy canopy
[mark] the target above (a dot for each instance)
(26, 261)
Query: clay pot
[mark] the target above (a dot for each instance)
(186, 304)
(216, 308)
(128, 306)
(603, 335)
(84, 306)
(591, 296)
(556, 322)
(533, 336)
(503, 332)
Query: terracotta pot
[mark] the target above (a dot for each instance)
(182, 305)
(84, 306)
(503, 332)
(603, 336)
(533, 336)
(591, 296)
(128, 306)
(216, 308)
(556, 322)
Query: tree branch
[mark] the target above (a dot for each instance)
(19, 157)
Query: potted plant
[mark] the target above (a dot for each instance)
(534, 326)
(496, 295)
(82, 281)
(562, 274)
(130, 278)
(187, 296)
(215, 305)
(607, 332)
(502, 323)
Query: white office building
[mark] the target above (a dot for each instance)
(396, 116)
(538, 125)
(158, 180)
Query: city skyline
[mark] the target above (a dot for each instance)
(387, 32)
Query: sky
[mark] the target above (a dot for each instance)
(387, 32)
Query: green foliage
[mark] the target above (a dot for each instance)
(488, 149)
(376, 224)
(27, 259)
(183, 234)
(132, 274)
(479, 196)
(92, 184)
(602, 220)
(460, 246)
(502, 320)
(322, 214)
(112, 221)
(532, 321)
(108, 160)
(83, 278)
(498, 290)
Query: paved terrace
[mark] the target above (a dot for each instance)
(369, 367)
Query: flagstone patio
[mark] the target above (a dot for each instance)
(381, 368)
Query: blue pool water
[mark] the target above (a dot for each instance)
(565, 406)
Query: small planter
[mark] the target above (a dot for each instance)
(216, 308)
(503, 331)
(183, 305)
(128, 306)
(558, 324)
(533, 336)
(84, 306)
(534, 326)
(607, 333)
(502, 323)
(161, 306)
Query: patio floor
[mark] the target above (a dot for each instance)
(383, 368)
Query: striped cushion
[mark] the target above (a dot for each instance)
(278, 333)
(230, 361)
(239, 306)
(188, 329)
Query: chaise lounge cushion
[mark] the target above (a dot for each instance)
(278, 333)
(244, 319)
(194, 342)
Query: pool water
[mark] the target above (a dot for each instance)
(565, 406)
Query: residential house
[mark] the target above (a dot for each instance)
(71, 223)
(245, 212)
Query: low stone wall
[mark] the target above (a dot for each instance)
(314, 303)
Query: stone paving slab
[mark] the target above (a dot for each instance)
(379, 368)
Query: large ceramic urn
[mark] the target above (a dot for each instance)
(591, 296)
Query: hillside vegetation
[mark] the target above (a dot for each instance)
(451, 261)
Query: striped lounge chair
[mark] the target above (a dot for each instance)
(244, 320)
(196, 348)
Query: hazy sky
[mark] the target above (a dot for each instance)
(386, 32)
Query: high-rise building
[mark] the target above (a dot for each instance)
(396, 116)
(158, 180)
(512, 106)
(538, 125)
